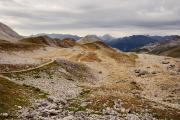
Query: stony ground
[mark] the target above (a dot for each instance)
(94, 82)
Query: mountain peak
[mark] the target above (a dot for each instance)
(107, 37)
(6, 33)
(60, 36)
(89, 39)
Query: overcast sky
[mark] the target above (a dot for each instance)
(82, 17)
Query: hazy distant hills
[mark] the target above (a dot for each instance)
(6, 33)
(107, 37)
(60, 36)
(124, 43)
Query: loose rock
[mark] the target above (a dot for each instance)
(165, 62)
(4, 115)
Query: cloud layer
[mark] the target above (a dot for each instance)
(117, 17)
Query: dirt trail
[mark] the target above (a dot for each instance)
(29, 69)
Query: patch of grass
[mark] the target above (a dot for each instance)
(75, 103)
(12, 94)
(98, 103)
(85, 93)
(99, 98)
(75, 106)
(122, 86)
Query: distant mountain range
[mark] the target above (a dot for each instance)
(124, 44)
(60, 36)
(127, 43)
(107, 37)
(167, 48)
(136, 41)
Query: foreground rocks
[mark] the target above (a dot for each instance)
(4, 115)
(141, 72)
(55, 109)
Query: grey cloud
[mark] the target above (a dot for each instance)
(101, 14)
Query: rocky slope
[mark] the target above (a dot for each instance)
(6, 33)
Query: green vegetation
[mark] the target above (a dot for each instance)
(12, 95)
(96, 104)
(75, 103)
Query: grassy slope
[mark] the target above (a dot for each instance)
(12, 94)
(173, 52)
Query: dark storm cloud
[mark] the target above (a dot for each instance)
(83, 14)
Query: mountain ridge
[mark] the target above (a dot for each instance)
(6, 33)
(136, 41)
(168, 48)
(59, 36)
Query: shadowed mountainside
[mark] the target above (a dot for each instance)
(167, 48)
(136, 41)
